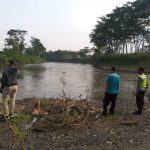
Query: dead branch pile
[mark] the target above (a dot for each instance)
(56, 113)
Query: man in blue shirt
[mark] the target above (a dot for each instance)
(111, 92)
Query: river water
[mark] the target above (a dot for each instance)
(78, 80)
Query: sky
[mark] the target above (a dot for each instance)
(59, 24)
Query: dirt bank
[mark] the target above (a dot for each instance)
(83, 128)
(128, 69)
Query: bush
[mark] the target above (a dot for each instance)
(21, 59)
(122, 59)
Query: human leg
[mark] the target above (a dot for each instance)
(142, 99)
(113, 103)
(106, 102)
(13, 93)
(5, 99)
(139, 102)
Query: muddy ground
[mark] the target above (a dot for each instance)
(83, 129)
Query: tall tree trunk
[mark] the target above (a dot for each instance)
(123, 48)
(126, 47)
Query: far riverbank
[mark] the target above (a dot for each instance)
(127, 69)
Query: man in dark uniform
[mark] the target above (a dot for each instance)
(141, 88)
(9, 87)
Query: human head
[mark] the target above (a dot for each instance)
(113, 69)
(11, 62)
(140, 70)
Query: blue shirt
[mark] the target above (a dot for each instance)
(112, 82)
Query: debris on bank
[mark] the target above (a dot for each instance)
(77, 124)
(58, 114)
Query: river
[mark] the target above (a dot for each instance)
(48, 79)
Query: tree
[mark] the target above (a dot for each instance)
(83, 52)
(125, 29)
(37, 47)
(16, 41)
(29, 51)
(61, 55)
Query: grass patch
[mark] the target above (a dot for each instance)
(122, 59)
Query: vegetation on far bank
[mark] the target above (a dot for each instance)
(122, 59)
(35, 52)
(17, 48)
(21, 59)
(122, 37)
(124, 30)
(81, 56)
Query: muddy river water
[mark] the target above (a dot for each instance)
(49, 79)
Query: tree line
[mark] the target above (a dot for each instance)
(17, 48)
(15, 43)
(68, 55)
(125, 30)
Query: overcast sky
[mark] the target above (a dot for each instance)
(59, 24)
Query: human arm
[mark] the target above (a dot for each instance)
(106, 87)
(146, 85)
(118, 86)
(106, 84)
(138, 85)
(3, 80)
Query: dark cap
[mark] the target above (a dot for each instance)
(12, 62)
(113, 69)
(141, 69)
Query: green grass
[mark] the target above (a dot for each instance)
(21, 59)
(123, 59)
(20, 118)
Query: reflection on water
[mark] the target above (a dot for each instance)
(44, 80)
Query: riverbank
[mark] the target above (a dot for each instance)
(134, 59)
(127, 69)
(124, 62)
(79, 125)
(20, 59)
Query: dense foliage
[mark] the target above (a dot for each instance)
(125, 30)
(82, 55)
(141, 59)
(17, 48)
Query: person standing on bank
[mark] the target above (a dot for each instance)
(141, 88)
(9, 87)
(111, 92)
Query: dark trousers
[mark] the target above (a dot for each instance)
(109, 98)
(140, 101)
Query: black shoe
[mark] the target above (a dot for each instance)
(137, 113)
(104, 114)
